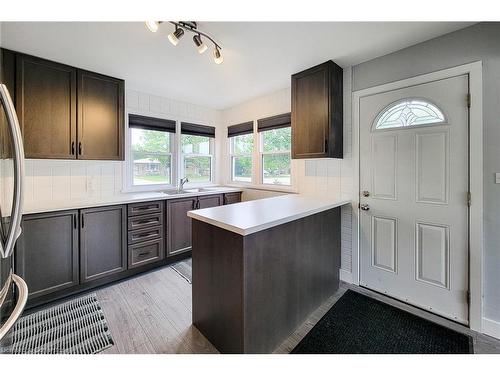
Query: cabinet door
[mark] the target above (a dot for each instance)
(100, 116)
(46, 107)
(47, 252)
(103, 242)
(230, 198)
(209, 201)
(179, 225)
(317, 112)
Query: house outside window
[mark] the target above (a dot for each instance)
(241, 151)
(275, 149)
(197, 146)
(151, 150)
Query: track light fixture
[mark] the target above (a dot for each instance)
(202, 47)
(178, 33)
(217, 56)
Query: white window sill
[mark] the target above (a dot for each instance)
(277, 188)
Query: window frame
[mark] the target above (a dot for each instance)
(128, 166)
(262, 153)
(257, 178)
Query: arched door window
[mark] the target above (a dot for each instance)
(409, 112)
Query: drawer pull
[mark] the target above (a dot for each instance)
(144, 208)
(143, 235)
(147, 221)
(144, 253)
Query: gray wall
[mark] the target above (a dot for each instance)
(478, 42)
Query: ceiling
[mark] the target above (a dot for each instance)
(259, 57)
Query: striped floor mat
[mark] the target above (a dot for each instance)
(74, 327)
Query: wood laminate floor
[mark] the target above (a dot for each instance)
(151, 313)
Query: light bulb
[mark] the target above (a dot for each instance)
(217, 56)
(202, 47)
(175, 36)
(153, 26)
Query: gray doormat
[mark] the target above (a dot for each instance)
(184, 269)
(74, 327)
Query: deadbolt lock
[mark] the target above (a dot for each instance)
(366, 193)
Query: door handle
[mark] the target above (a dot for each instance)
(73, 148)
(364, 207)
(7, 247)
(80, 148)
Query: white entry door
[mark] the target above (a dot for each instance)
(414, 193)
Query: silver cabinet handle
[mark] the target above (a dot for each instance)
(7, 248)
(18, 310)
(364, 207)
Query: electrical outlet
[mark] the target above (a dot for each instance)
(497, 178)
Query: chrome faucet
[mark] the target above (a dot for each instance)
(182, 181)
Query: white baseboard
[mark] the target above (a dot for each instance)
(345, 276)
(491, 328)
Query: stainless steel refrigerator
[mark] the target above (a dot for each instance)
(13, 289)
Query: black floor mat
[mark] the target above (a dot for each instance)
(360, 324)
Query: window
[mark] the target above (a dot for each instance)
(151, 147)
(241, 158)
(275, 146)
(241, 150)
(409, 112)
(275, 151)
(197, 151)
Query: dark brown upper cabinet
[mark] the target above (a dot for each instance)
(46, 107)
(65, 112)
(100, 116)
(317, 112)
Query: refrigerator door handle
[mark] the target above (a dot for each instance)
(18, 310)
(7, 248)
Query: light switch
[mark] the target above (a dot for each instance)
(497, 178)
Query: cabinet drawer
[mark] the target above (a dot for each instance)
(145, 221)
(145, 234)
(144, 208)
(145, 252)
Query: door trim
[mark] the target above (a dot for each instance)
(474, 70)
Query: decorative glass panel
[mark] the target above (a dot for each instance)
(409, 112)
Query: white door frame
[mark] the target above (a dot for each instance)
(474, 70)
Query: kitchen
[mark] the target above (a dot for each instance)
(251, 221)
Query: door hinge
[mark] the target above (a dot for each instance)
(469, 198)
(468, 297)
(468, 100)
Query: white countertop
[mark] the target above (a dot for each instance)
(123, 198)
(253, 216)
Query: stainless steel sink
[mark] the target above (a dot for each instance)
(190, 191)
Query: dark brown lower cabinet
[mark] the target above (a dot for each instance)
(179, 225)
(230, 198)
(103, 242)
(47, 252)
(208, 201)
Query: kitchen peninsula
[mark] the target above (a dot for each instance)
(261, 267)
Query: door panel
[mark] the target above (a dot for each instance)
(384, 151)
(414, 235)
(46, 107)
(384, 243)
(179, 225)
(100, 116)
(103, 242)
(210, 201)
(47, 252)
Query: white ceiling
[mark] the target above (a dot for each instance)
(258, 57)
